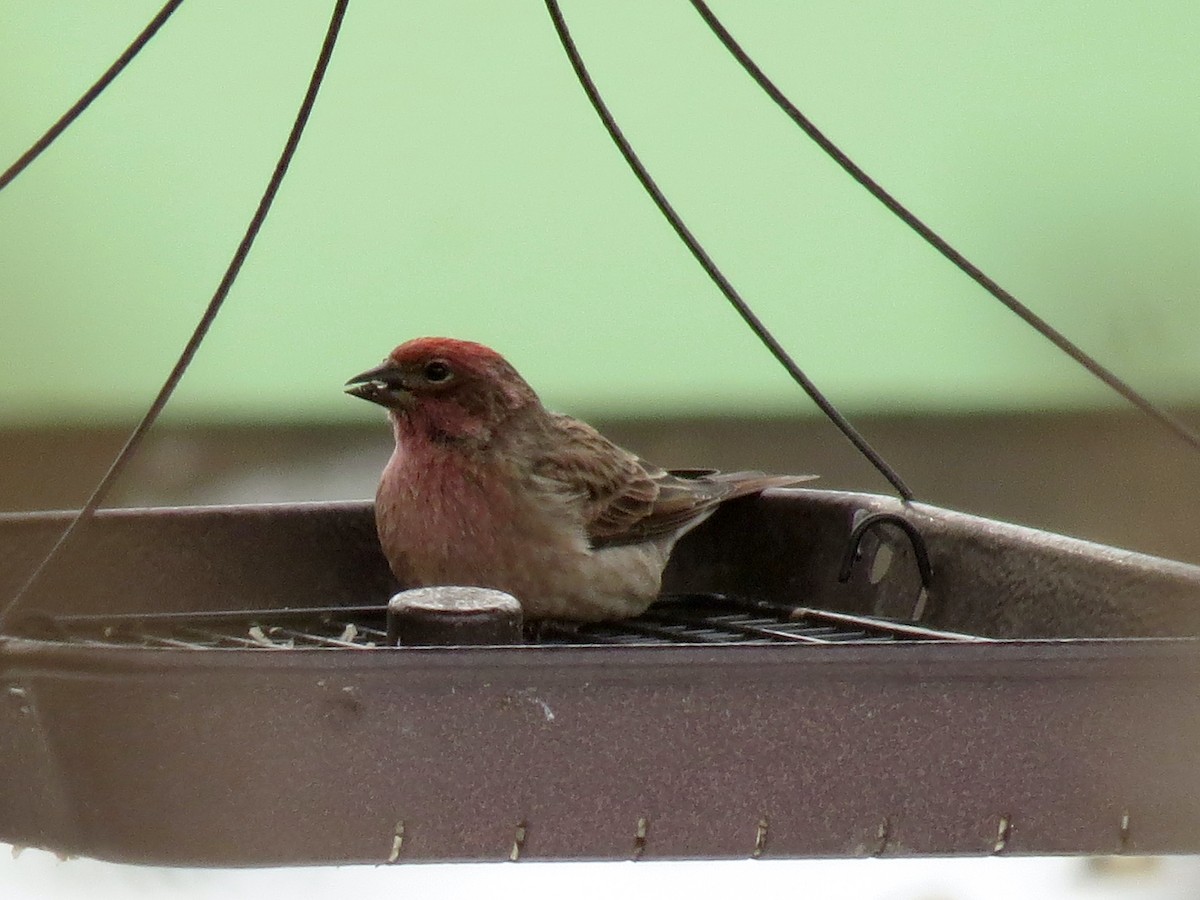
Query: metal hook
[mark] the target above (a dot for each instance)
(854, 542)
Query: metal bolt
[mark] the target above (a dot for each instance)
(397, 842)
(760, 838)
(1003, 833)
(639, 837)
(518, 841)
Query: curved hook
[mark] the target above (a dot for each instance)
(914, 537)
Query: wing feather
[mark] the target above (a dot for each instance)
(626, 500)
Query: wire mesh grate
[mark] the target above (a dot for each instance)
(674, 619)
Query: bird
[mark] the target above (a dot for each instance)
(488, 488)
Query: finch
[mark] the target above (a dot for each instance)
(488, 488)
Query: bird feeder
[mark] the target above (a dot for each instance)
(216, 686)
(829, 674)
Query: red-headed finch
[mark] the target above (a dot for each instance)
(488, 488)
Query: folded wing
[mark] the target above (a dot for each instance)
(626, 500)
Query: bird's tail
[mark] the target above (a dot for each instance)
(741, 484)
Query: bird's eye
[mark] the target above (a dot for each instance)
(436, 370)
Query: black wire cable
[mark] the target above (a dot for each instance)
(706, 262)
(206, 320)
(90, 94)
(1061, 341)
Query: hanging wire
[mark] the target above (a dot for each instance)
(1056, 337)
(210, 313)
(90, 94)
(131, 445)
(706, 262)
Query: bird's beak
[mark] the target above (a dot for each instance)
(383, 385)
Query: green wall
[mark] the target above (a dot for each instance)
(454, 180)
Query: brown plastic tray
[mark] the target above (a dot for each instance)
(1076, 731)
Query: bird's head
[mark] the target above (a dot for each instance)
(457, 388)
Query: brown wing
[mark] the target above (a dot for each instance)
(684, 501)
(626, 500)
(615, 488)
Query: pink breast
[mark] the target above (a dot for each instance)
(442, 520)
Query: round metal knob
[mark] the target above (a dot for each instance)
(450, 615)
